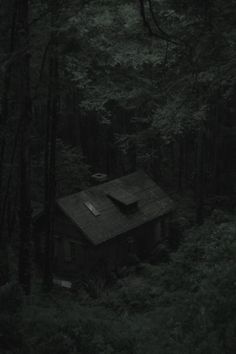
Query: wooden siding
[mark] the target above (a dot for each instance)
(107, 256)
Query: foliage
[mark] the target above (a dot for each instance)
(161, 89)
(167, 88)
(184, 306)
(11, 299)
(72, 172)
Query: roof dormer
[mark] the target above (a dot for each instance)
(127, 202)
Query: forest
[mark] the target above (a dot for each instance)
(112, 87)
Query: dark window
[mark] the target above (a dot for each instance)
(57, 247)
(70, 251)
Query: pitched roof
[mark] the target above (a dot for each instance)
(100, 219)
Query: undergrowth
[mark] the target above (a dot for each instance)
(185, 306)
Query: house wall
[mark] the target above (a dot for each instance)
(109, 255)
(70, 247)
(148, 236)
(161, 228)
(74, 255)
(88, 258)
(114, 253)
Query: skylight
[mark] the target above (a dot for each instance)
(92, 208)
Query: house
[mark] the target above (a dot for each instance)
(101, 226)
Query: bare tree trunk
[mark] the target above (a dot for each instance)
(25, 157)
(181, 164)
(200, 176)
(9, 10)
(50, 154)
(5, 102)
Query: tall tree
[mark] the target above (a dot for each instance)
(25, 109)
(8, 10)
(50, 148)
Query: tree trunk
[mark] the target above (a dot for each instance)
(181, 165)
(5, 104)
(200, 178)
(50, 154)
(24, 154)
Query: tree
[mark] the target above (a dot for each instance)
(50, 148)
(25, 118)
(8, 10)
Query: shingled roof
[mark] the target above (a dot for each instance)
(96, 213)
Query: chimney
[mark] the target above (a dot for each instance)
(99, 178)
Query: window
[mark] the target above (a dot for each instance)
(70, 251)
(57, 247)
(131, 244)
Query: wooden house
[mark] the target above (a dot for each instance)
(103, 225)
